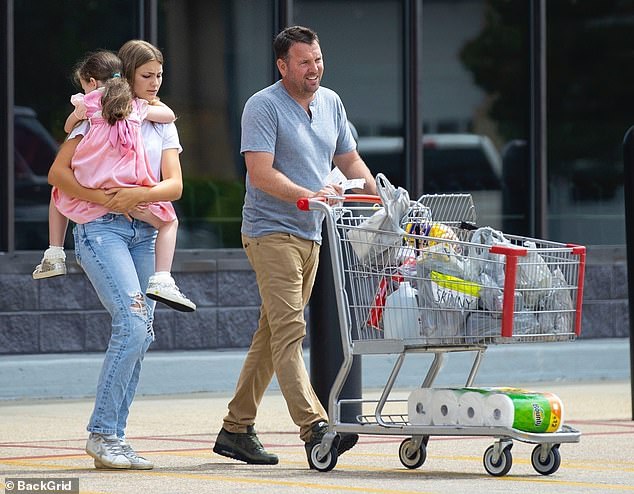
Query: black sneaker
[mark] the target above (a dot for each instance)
(243, 446)
(343, 442)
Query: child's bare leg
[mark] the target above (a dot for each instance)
(165, 239)
(57, 225)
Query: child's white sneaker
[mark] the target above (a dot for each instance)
(53, 264)
(163, 289)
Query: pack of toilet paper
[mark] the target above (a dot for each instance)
(516, 408)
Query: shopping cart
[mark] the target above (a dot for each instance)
(440, 285)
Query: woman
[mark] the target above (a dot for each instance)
(117, 254)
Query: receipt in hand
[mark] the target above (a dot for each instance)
(337, 177)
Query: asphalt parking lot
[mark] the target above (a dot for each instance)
(45, 438)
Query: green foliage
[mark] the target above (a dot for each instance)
(207, 198)
(590, 72)
(498, 60)
(214, 207)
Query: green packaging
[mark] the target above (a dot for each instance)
(532, 411)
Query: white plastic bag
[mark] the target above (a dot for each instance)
(445, 300)
(534, 278)
(376, 234)
(483, 260)
(557, 310)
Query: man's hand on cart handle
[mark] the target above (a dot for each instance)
(330, 193)
(304, 202)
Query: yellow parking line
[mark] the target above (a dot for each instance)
(319, 485)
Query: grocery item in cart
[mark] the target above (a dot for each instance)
(486, 267)
(419, 406)
(471, 408)
(556, 308)
(406, 271)
(444, 407)
(445, 299)
(534, 278)
(376, 234)
(523, 410)
(516, 408)
(401, 314)
(442, 231)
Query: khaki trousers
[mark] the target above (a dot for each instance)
(285, 267)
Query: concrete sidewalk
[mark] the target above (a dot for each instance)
(75, 375)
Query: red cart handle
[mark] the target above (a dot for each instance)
(303, 203)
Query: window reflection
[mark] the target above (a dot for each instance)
(218, 54)
(589, 109)
(474, 89)
(43, 87)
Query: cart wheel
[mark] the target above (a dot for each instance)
(327, 463)
(503, 464)
(411, 457)
(550, 464)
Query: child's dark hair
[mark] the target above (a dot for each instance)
(116, 102)
(106, 67)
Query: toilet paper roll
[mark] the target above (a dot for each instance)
(445, 407)
(471, 408)
(419, 406)
(499, 410)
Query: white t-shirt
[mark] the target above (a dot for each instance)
(156, 138)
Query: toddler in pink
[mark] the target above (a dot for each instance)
(112, 156)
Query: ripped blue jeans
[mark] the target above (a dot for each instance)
(117, 255)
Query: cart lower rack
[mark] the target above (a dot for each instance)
(437, 285)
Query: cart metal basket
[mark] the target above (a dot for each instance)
(440, 284)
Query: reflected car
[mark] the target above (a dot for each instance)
(452, 163)
(34, 152)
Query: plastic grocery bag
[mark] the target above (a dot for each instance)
(383, 229)
(557, 310)
(534, 278)
(445, 297)
(484, 261)
(486, 268)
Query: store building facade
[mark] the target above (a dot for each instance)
(491, 97)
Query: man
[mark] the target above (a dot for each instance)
(292, 132)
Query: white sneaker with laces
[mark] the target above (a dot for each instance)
(136, 462)
(53, 264)
(107, 450)
(163, 289)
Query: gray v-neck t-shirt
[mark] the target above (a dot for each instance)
(302, 146)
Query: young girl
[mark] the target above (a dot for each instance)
(111, 157)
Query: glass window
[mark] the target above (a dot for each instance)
(50, 37)
(362, 45)
(217, 55)
(475, 106)
(590, 102)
